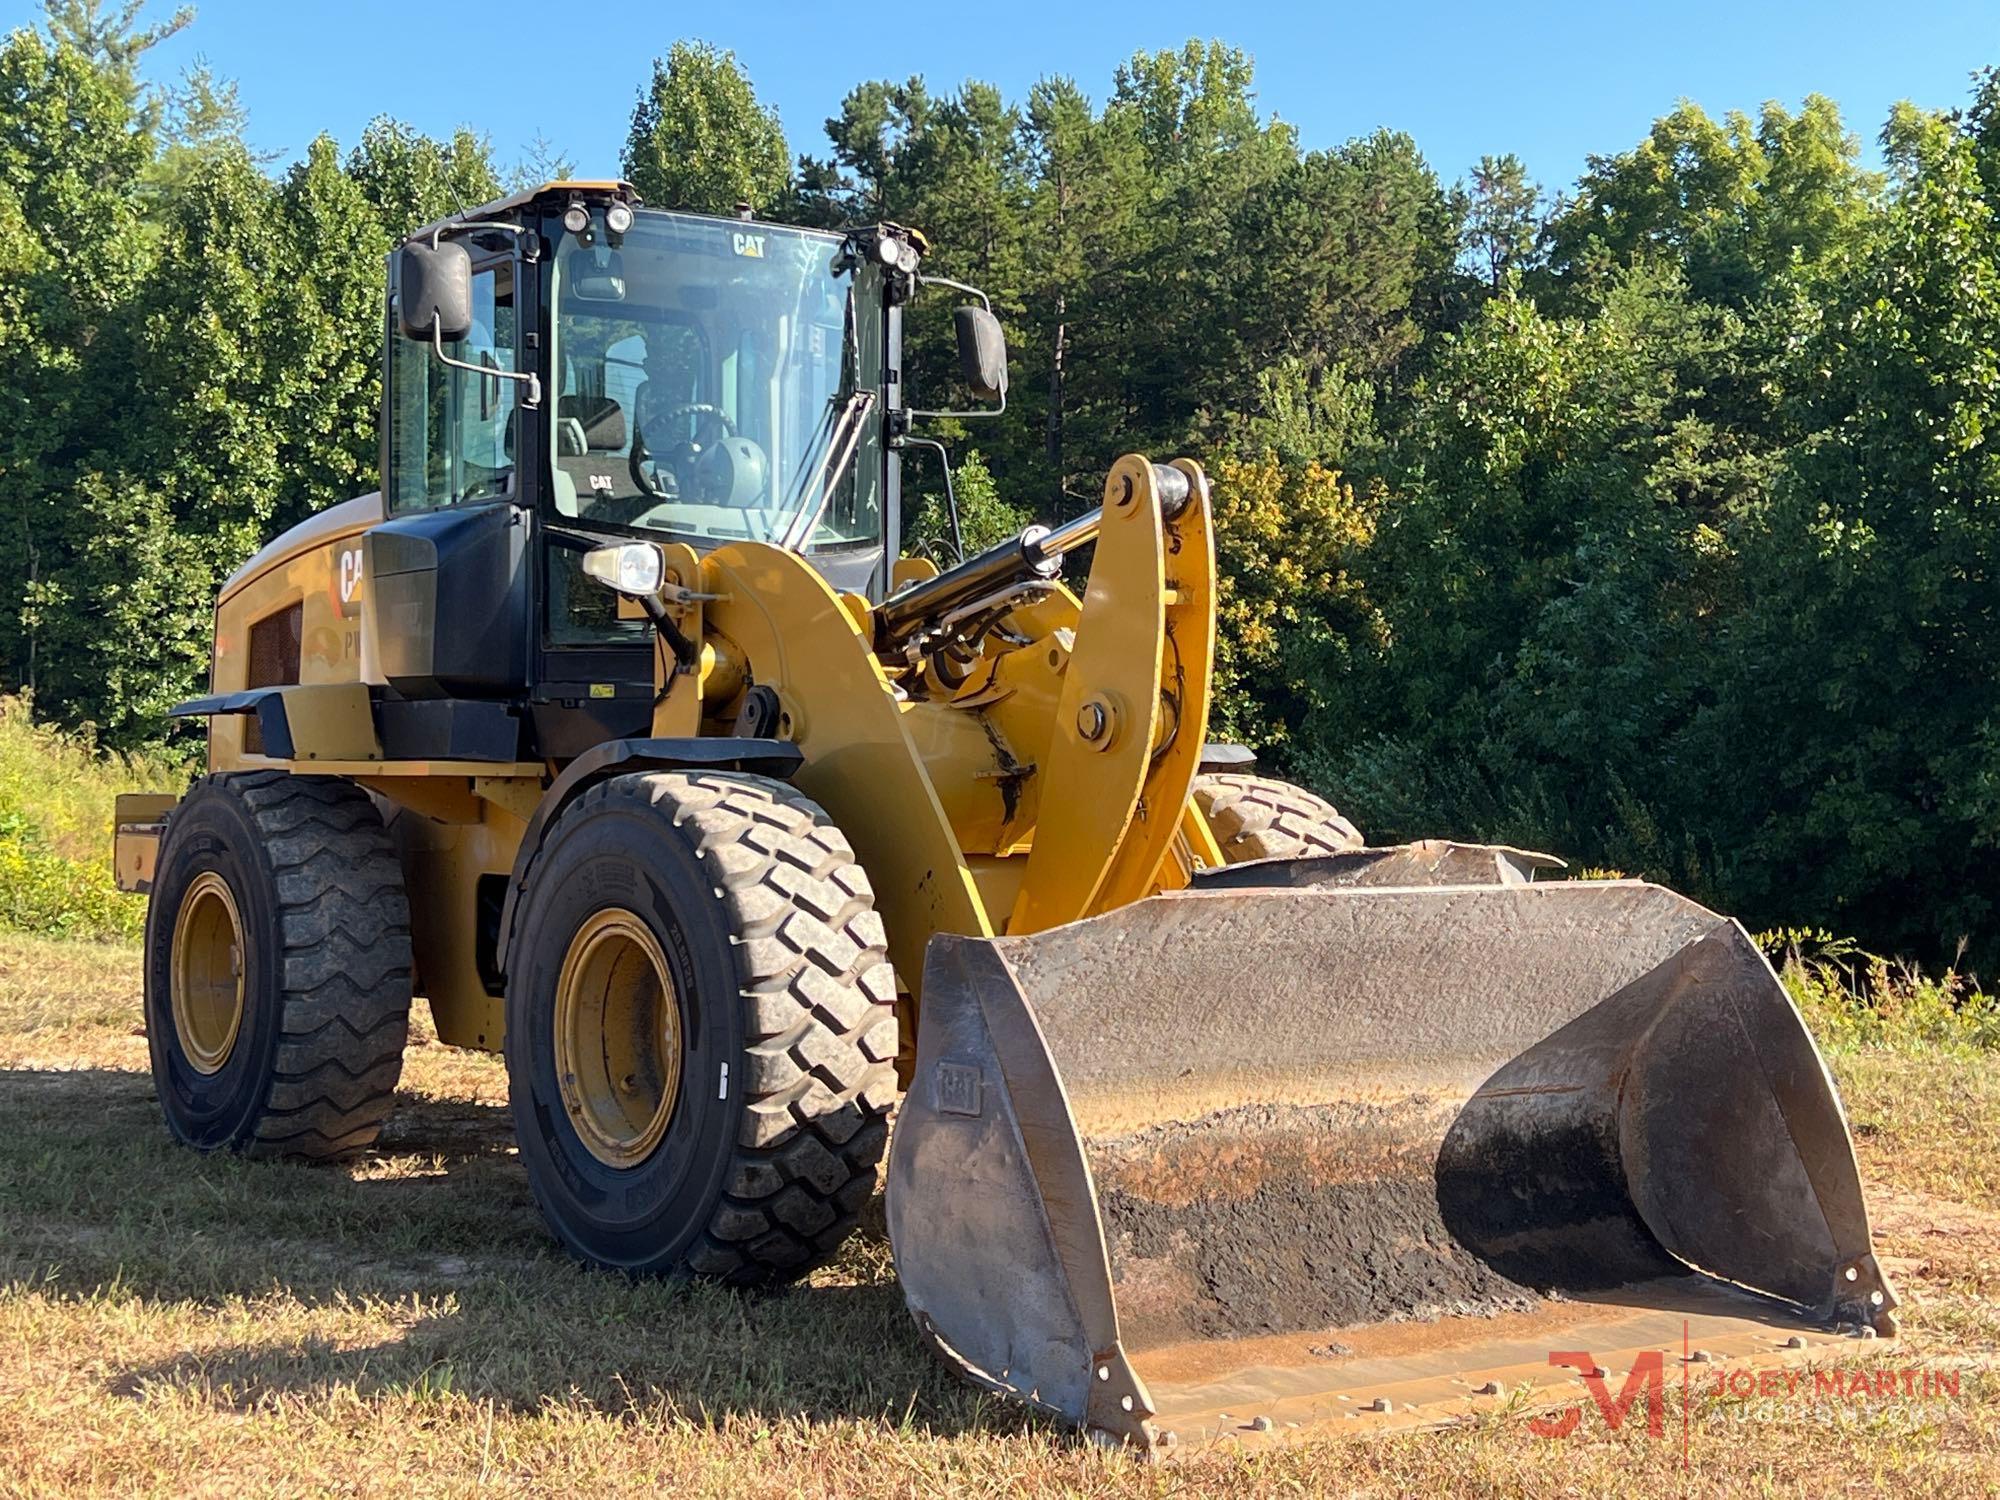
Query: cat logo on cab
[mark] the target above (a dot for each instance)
(751, 245)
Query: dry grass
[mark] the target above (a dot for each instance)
(56, 796)
(185, 1325)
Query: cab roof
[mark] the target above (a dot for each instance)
(501, 207)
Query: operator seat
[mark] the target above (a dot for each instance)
(590, 448)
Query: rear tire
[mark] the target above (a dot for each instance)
(701, 1030)
(277, 967)
(1256, 817)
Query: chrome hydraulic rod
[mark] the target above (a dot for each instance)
(1036, 553)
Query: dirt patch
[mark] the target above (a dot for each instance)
(1290, 1257)
(1271, 1219)
(1277, 1218)
(1913, 1217)
(1921, 1238)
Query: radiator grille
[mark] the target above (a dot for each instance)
(275, 643)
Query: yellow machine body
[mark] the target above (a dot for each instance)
(1186, 1146)
(941, 789)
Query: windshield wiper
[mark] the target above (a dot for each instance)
(841, 443)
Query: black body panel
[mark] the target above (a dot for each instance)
(448, 602)
(447, 729)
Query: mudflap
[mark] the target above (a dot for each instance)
(1367, 1137)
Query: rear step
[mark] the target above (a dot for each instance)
(1151, 1161)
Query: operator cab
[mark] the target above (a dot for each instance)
(566, 369)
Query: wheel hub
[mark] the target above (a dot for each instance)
(207, 979)
(618, 1038)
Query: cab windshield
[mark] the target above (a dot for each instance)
(706, 386)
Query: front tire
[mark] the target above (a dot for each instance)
(277, 967)
(701, 1030)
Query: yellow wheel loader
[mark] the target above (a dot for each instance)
(615, 726)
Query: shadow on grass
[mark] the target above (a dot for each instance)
(424, 1267)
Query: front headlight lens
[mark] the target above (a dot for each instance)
(630, 567)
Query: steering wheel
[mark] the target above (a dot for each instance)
(702, 409)
(644, 467)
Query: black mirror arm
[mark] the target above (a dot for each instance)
(950, 495)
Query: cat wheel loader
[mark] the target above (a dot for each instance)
(616, 727)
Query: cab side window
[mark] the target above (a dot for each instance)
(451, 431)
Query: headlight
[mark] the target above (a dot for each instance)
(630, 567)
(618, 218)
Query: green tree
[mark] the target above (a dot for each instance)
(1088, 188)
(1175, 309)
(204, 118)
(326, 333)
(1727, 203)
(108, 35)
(1288, 536)
(1856, 739)
(1504, 218)
(700, 141)
(72, 251)
(410, 179)
(1344, 257)
(1551, 562)
(868, 176)
(207, 425)
(542, 160)
(984, 517)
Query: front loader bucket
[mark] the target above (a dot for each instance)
(1348, 1144)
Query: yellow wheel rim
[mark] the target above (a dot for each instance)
(618, 1038)
(207, 978)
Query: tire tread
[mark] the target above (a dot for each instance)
(1258, 817)
(818, 1001)
(344, 963)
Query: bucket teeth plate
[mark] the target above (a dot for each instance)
(1232, 1139)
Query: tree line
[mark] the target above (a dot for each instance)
(1652, 521)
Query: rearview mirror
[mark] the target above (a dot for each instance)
(595, 275)
(982, 352)
(434, 290)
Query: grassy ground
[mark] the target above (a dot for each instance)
(187, 1325)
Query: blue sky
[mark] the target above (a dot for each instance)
(1550, 82)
